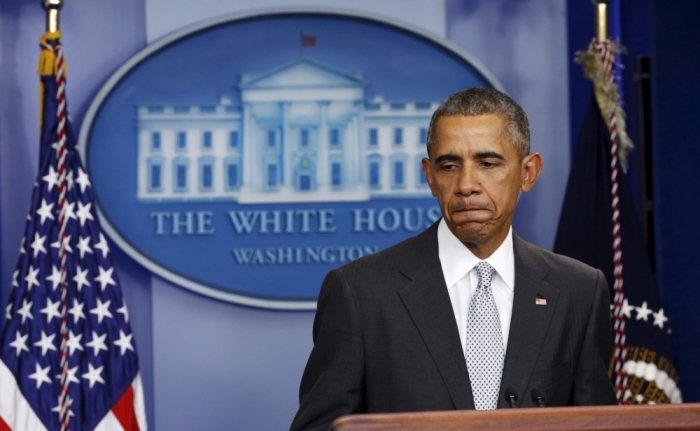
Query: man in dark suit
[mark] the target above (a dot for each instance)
(452, 318)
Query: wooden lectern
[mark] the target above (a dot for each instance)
(637, 417)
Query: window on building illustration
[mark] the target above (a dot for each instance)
(181, 177)
(373, 137)
(423, 135)
(154, 170)
(233, 139)
(207, 176)
(305, 182)
(335, 137)
(336, 178)
(398, 173)
(155, 177)
(180, 173)
(181, 140)
(374, 174)
(155, 141)
(271, 175)
(271, 138)
(304, 137)
(398, 136)
(232, 176)
(207, 140)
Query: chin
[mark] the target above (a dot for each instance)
(471, 232)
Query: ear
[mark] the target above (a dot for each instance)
(428, 170)
(530, 168)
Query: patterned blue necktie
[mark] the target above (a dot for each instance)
(484, 342)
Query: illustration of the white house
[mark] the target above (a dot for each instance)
(303, 132)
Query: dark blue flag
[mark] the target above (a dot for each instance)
(586, 233)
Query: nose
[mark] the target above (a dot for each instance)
(469, 181)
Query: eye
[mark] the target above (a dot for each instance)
(488, 165)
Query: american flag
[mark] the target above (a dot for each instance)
(68, 358)
(307, 40)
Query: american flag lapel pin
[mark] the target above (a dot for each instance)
(540, 301)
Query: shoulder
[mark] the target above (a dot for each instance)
(557, 265)
(579, 286)
(401, 257)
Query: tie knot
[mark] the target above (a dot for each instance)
(485, 272)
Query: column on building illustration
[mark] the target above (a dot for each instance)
(287, 146)
(359, 149)
(323, 144)
(248, 147)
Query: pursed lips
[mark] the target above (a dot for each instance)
(469, 208)
(471, 213)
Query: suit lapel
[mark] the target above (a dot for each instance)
(428, 302)
(529, 322)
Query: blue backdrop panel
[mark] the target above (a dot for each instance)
(676, 104)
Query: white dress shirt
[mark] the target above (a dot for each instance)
(458, 264)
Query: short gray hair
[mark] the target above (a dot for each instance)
(481, 101)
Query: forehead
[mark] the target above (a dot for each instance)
(479, 133)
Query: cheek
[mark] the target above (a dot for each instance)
(498, 176)
(503, 192)
(442, 185)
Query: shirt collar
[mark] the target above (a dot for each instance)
(457, 260)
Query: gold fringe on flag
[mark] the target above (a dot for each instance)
(606, 94)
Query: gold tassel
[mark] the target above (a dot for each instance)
(47, 58)
(47, 67)
(47, 63)
(606, 95)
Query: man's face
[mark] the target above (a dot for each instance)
(477, 174)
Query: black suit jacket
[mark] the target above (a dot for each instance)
(386, 339)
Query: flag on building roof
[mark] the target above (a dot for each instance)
(67, 353)
(599, 226)
(307, 40)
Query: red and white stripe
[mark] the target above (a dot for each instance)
(128, 414)
(620, 352)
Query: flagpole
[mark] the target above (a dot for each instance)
(606, 51)
(52, 64)
(52, 8)
(602, 20)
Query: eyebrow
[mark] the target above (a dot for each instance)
(447, 158)
(489, 155)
